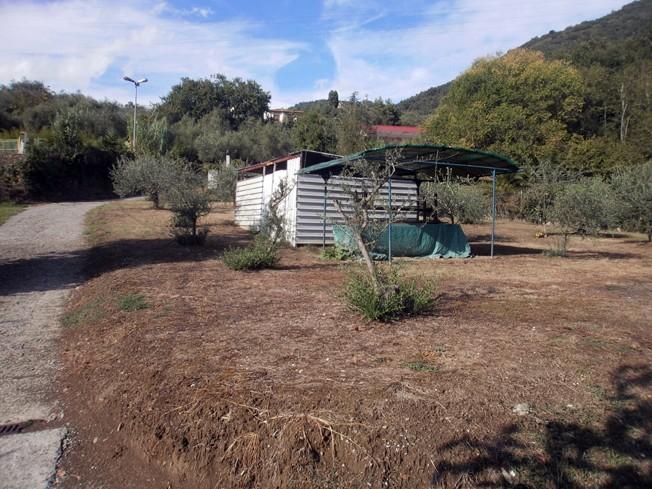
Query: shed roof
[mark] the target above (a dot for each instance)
(426, 159)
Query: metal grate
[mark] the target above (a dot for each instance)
(15, 428)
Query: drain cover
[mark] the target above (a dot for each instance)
(15, 428)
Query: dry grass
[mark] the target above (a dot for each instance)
(249, 379)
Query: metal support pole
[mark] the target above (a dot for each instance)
(323, 224)
(493, 210)
(133, 143)
(389, 227)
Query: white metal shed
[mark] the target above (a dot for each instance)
(305, 206)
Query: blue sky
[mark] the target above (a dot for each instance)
(297, 50)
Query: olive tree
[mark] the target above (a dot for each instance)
(147, 174)
(633, 191)
(189, 200)
(457, 199)
(583, 207)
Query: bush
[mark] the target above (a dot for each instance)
(258, 255)
(395, 297)
(336, 253)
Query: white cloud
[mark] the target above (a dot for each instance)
(76, 45)
(442, 40)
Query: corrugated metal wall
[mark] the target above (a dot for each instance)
(310, 205)
(249, 202)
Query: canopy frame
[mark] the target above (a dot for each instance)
(415, 162)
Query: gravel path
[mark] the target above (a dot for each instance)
(41, 256)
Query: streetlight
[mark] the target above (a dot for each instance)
(136, 85)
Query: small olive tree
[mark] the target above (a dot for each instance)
(147, 174)
(189, 200)
(544, 182)
(458, 199)
(263, 252)
(583, 207)
(377, 293)
(362, 182)
(633, 190)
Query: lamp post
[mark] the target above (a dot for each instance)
(136, 85)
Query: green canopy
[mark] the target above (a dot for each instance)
(425, 159)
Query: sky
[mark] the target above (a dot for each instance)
(297, 50)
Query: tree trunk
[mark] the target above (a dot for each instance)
(369, 262)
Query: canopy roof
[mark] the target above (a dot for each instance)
(426, 160)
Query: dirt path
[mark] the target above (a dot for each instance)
(41, 255)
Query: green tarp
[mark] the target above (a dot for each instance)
(414, 240)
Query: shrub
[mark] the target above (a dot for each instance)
(336, 253)
(394, 297)
(261, 253)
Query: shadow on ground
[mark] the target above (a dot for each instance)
(575, 455)
(60, 270)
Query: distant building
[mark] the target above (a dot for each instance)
(394, 134)
(283, 116)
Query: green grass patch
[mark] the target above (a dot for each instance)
(422, 367)
(132, 302)
(258, 255)
(8, 209)
(88, 312)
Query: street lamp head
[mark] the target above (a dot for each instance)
(126, 78)
(142, 80)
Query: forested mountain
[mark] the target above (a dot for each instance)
(418, 107)
(613, 41)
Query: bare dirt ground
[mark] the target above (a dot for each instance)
(531, 371)
(41, 259)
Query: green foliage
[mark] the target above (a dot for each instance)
(333, 99)
(600, 155)
(394, 297)
(336, 253)
(153, 135)
(456, 199)
(263, 252)
(189, 200)
(585, 206)
(132, 302)
(545, 181)
(238, 100)
(17, 98)
(315, 132)
(258, 255)
(254, 141)
(224, 181)
(416, 109)
(71, 163)
(518, 104)
(147, 174)
(633, 189)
